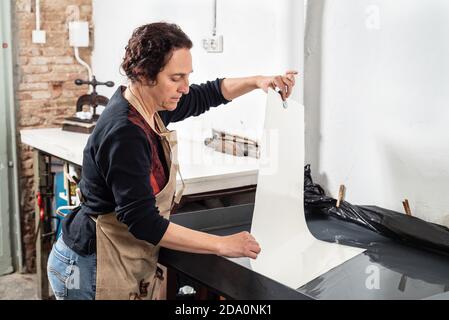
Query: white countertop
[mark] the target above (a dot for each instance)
(202, 168)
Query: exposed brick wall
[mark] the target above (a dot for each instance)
(45, 88)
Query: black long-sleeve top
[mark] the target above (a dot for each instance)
(117, 162)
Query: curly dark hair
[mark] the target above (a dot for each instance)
(150, 48)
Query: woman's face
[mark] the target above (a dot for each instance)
(172, 81)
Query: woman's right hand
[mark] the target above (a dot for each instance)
(237, 245)
(241, 244)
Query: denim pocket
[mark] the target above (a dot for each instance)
(59, 269)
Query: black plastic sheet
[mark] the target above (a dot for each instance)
(395, 225)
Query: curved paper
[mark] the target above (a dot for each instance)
(290, 254)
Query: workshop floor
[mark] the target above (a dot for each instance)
(18, 286)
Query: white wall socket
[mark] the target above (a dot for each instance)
(213, 44)
(39, 36)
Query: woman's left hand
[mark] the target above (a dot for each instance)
(284, 83)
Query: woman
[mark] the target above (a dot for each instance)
(109, 245)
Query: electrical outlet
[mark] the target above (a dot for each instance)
(213, 44)
(39, 36)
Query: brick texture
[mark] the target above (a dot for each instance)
(44, 87)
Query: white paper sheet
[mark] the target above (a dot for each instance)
(290, 254)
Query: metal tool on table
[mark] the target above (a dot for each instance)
(84, 122)
(233, 144)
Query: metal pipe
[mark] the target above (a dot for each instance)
(214, 29)
(10, 106)
(38, 15)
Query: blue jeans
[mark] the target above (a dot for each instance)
(71, 276)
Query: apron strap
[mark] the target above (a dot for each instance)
(178, 194)
(62, 214)
(163, 130)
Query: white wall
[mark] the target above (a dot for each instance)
(260, 37)
(375, 88)
(377, 101)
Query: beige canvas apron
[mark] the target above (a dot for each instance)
(127, 267)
